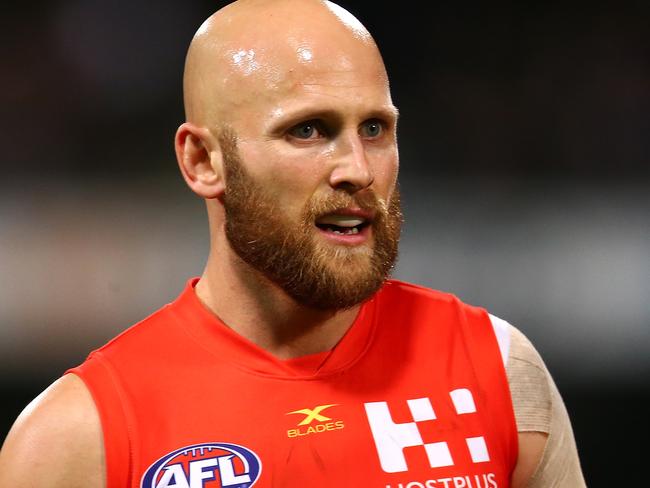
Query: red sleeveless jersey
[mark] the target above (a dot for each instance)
(413, 396)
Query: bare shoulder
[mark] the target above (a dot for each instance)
(56, 441)
(547, 450)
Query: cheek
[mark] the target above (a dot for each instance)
(286, 174)
(385, 170)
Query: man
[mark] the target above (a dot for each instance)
(292, 361)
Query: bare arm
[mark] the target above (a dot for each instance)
(548, 457)
(56, 442)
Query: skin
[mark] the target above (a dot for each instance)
(262, 80)
(335, 74)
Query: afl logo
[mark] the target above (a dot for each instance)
(210, 465)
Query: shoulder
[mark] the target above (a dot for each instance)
(56, 441)
(528, 378)
(146, 330)
(396, 292)
(530, 390)
(530, 383)
(547, 449)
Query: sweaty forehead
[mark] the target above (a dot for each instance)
(250, 51)
(302, 58)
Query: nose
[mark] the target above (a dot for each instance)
(352, 171)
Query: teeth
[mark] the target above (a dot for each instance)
(353, 230)
(341, 220)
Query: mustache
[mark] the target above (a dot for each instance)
(365, 200)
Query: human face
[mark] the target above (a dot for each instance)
(316, 141)
(316, 275)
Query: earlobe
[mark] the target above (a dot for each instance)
(199, 160)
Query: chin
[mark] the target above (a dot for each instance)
(344, 252)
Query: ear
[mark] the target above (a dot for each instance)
(199, 159)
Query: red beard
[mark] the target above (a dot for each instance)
(315, 274)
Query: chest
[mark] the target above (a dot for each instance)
(386, 422)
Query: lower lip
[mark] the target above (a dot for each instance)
(347, 239)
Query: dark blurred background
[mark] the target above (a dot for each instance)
(524, 171)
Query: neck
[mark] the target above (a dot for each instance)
(260, 311)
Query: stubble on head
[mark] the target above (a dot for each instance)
(317, 275)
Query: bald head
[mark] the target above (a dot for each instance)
(251, 49)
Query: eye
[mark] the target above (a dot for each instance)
(371, 129)
(306, 130)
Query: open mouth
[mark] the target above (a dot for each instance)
(342, 224)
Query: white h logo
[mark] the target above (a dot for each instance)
(391, 439)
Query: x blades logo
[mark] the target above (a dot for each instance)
(324, 423)
(314, 414)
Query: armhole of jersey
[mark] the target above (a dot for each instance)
(502, 333)
(109, 400)
(487, 339)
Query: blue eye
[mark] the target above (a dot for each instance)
(307, 130)
(372, 128)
